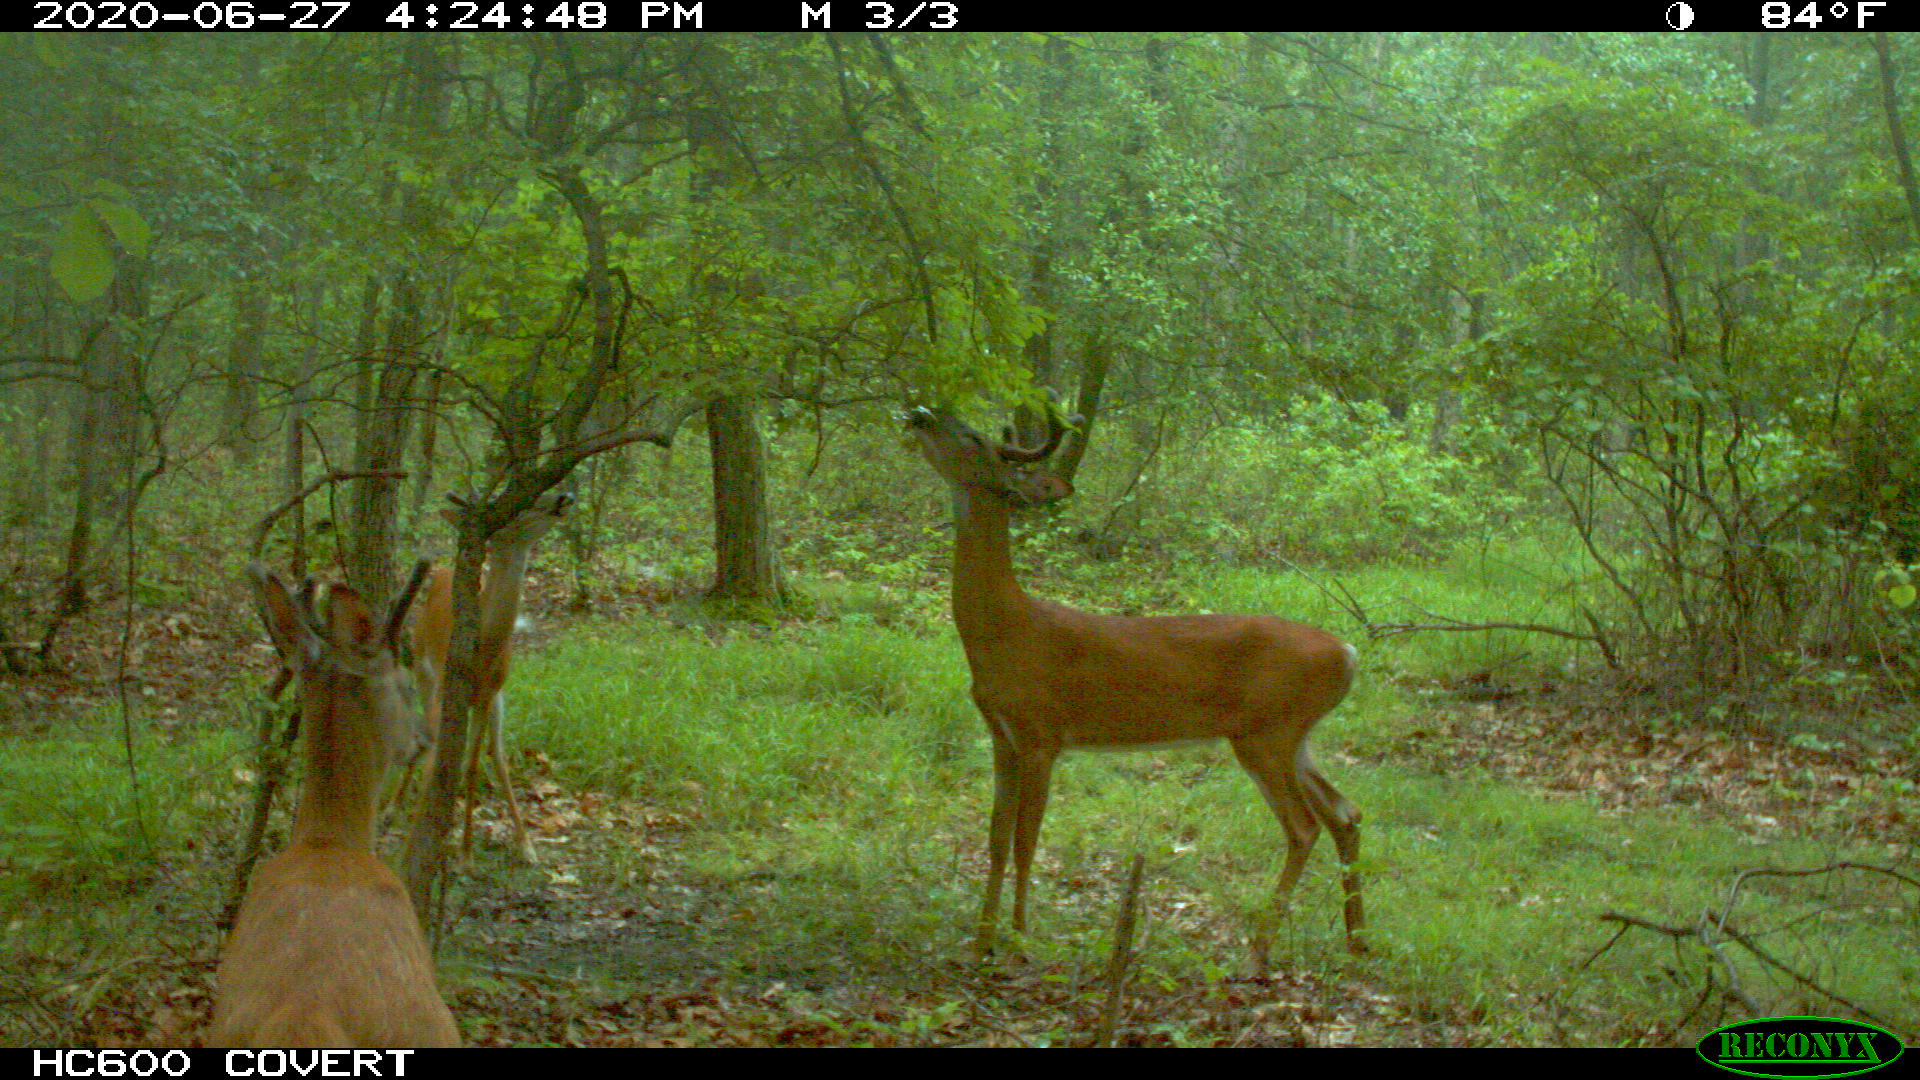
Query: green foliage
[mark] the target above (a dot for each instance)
(1334, 485)
(77, 826)
(1681, 368)
(82, 260)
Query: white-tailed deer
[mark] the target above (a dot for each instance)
(500, 583)
(1048, 678)
(326, 950)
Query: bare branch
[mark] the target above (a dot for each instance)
(1715, 931)
(265, 524)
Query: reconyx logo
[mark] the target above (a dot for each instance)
(1801, 1047)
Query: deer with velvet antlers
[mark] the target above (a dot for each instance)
(326, 950)
(1048, 678)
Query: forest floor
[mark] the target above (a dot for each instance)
(615, 939)
(582, 960)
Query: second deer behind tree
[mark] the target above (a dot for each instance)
(508, 552)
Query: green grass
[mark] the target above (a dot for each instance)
(73, 822)
(835, 779)
(100, 888)
(753, 720)
(1509, 584)
(842, 767)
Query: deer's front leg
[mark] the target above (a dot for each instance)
(1034, 768)
(999, 834)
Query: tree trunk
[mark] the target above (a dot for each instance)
(1042, 284)
(1464, 315)
(520, 471)
(85, 436)
(369, 539)
(1093, 383)
(384, 439)
(429, 429)
(239, 424)
(365, 342)
(743, 545)
(296, 446)
(105, 448)
(1890, 103)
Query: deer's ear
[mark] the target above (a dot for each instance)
(277, 611)
(1038, 487)
(285, 620)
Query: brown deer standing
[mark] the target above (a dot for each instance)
(1047, 678)
(326, 950)
(501, 582)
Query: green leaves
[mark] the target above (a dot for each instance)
(81, 258)
(1896, 584)
(80, 262)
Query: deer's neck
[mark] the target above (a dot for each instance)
(345, 758)
(500, 595)
(988, 604)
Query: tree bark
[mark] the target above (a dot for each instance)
(744, 567)
(383, 441)
(1890, 103)
(239, 409)
(429, 430)
(369, 554)
(1093, 384)
(105, 443)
